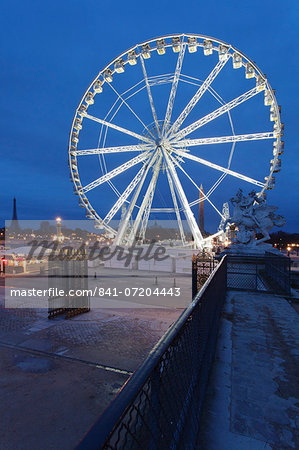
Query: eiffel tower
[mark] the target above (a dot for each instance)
(14, 227)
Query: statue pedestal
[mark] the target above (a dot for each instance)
(251, 250)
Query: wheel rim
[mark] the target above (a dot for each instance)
(168, 142)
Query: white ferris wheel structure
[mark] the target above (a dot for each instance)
(158, 144)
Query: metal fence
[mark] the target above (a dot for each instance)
(68, 271)
(202, 267)
(269, 273)
(278, 272)
(160, 405)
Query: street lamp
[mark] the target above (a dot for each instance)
(59, 232)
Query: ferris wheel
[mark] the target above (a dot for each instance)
(158, 120)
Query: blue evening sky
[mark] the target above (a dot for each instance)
(51, 50)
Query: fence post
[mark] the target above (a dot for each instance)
(194, 275)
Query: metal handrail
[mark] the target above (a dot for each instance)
(103, 428)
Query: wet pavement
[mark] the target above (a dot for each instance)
(57, 376)
(253, 398)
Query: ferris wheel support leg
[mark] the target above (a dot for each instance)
(197, 236)
(146, 204)
(121, 232)
(177, 212)
(124, 196)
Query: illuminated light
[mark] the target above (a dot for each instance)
(237, 60)
(278, 148)
(176, 44)
(276, 127)
(278, 130)
(119, 66)
(288, 248)
(276, 165)
(98, 225)
(78, 124)
(82, 110)
(270, 181)
(146, 51)
(207, 47)
(89, 98)
(192, 44)
(260, 83)
(223, 50)
(108, 75)
(161, 46)
(273, 114)
(249, 71)
(98, 86)
(132, 58)
(268, 100)
(58, 219)
(75, 137)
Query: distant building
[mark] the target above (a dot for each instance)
(14, 227)
(201, 217)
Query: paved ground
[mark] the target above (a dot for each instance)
(253, 399)
(57, 376)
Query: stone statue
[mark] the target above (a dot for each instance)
(251, 216)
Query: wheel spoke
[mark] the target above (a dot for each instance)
(146, 204)
(118, 170)
(225, 139)
(187, 210)
(177, 212)
(122, 149)
(220, 168)
(206, 197)
(150, 97)
(132, 111)
(174, 88)
(118, 128)
(199, 93)
(216, 113)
